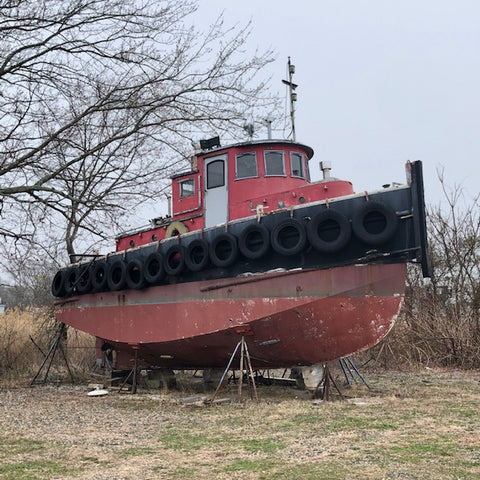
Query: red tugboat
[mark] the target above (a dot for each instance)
(308, 271)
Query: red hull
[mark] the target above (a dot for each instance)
(298, 317)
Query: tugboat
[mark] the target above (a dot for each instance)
(307, 272)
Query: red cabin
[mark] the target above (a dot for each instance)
(236, 182)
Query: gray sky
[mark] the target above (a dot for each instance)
(380, 82)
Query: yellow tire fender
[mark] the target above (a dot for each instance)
(176, 228)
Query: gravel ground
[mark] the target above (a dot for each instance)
(83, 427)
(110, 437)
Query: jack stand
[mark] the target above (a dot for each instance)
(325, 383)
(244, 354)
(346, 363)
(389, 348)
(61, 332)
(133, 372)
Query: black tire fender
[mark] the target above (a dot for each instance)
(374, 223)
(58, 284)
(135, 274)
(116, 275)
(174, 259)
(196, 255)
(329, 231)
(99, 275)
(71, 279)
(84, 283)
(223, 250)
(289, 237)
(254, 241)
(153, 271)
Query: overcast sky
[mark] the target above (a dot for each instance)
(380, 82)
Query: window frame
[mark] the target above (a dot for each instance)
(236, 165)
(181, 183)
(265, 154)
(302, 164)
(307, 170)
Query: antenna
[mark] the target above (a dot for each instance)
(249, 129)
(293, 95)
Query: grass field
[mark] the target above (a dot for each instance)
(422, 425)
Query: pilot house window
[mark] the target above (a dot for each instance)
(215, 174)
(246, 165)
(187, 188)
(297, 165)
(274, 164)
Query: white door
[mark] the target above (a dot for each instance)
(216, 193)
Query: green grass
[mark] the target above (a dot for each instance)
(22, 459)
(187, 441)
(328, 470)
(280, 470)
(183, 472)
(33, 470)
(416, 451)
(246, 465)
(137, 451)
(10, 446)
(265, 445)
(345, 421)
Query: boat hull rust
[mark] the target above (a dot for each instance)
(296, 317)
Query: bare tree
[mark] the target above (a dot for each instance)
(441, 319)
(456, 253)
(100, 97)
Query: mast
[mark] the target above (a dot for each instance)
(293, 96)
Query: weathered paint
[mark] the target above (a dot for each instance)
(313, 315)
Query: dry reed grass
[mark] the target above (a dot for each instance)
(419, 339)
(26, 336)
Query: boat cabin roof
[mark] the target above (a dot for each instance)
(259, 143)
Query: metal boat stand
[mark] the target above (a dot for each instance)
(49, 357)
(348, 366)
(133, 372)
(323, 388)
(244, 360)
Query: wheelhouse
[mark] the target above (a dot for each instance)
(238, 181)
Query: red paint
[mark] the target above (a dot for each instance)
(316, 316)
